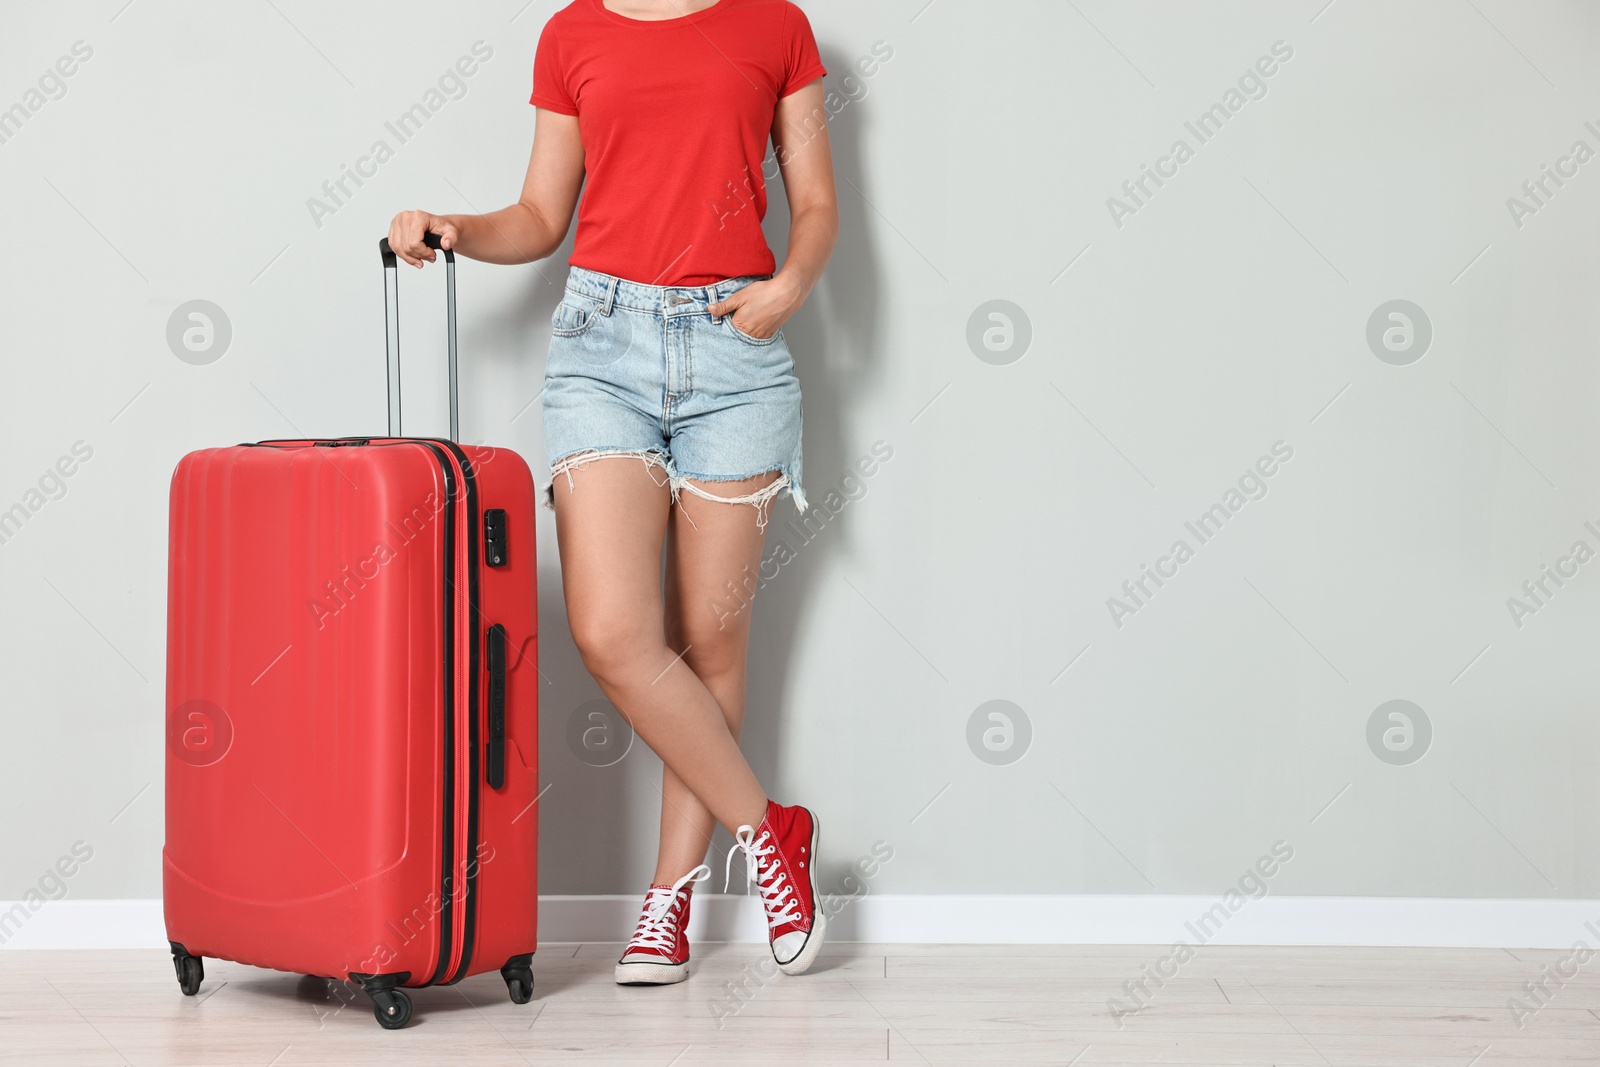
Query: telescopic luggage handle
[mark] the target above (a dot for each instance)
(391, 307)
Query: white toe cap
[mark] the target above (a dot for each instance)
(787, 946)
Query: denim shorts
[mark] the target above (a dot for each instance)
(644, 372)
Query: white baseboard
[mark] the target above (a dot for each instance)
(1040, 919)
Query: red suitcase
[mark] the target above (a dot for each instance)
(352, 721)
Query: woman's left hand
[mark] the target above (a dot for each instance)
(760, 308)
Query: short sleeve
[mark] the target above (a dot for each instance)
(802, 63)
(550, 75)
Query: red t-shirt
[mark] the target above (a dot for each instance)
(675, 117)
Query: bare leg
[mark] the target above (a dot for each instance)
(611, 519)
(713, 552)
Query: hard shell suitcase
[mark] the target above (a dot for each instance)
(352, 720)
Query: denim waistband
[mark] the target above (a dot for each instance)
(612, 291)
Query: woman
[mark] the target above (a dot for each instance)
(671, 410)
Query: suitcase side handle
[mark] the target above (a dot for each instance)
(495, 758)
(391, 308)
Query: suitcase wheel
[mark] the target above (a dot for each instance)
(518, 973)
(191, 970)
(391, 1007)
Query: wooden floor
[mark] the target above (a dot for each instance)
(953, 1004)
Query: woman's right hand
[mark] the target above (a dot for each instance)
(406, 235)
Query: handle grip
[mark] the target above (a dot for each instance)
(431, 239)
(391, 307)
(495, 759)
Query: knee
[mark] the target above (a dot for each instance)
(715, 653)
(613, 643)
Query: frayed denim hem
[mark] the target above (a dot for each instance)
(761, 499)
(655, 459)
(652, 458)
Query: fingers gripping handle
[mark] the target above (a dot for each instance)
(432, 240)
(391, 307)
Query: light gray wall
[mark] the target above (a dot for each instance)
(1167, 354)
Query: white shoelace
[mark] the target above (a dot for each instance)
(777, 894)
(658, 926)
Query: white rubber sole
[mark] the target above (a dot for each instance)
(651, 973)
(819, 922)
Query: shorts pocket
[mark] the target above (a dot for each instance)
(574, 315)
(747, 339)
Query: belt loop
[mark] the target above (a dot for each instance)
(611, 297)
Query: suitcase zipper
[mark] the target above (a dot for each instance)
(469, 851)
(447, 849)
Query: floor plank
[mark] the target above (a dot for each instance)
(934, 1004)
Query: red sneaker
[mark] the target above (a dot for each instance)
(658, 953)
(780, 862)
